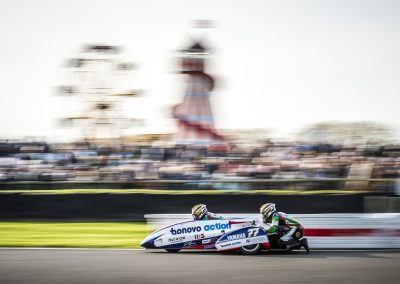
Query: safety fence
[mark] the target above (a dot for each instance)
(325, 231)
(350, 185)
(133, 206)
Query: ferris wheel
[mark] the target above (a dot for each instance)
(100, 83)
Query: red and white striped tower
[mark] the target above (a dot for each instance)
(194, 116)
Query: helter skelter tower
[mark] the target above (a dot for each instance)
(194, 115)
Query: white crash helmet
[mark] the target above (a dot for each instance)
(267, 210)
(199, 211)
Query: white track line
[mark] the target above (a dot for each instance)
(142, 249)
(54, 248)
(357, 250)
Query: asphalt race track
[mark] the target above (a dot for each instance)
(59, 266)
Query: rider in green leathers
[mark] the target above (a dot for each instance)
(288, 232)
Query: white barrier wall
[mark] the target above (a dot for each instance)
(347, 231)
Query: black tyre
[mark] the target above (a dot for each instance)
(172, 250)
(298, 234)
(251, 249)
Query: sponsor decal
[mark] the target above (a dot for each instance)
(210, 246)
(252, 232)
(177, 239)
(236, 237)
(236, 243)
(199, 236)
(212, 227)
(226, 245)
(189, 244)
(217, 226)
(185, 230)
(206, 241)
(260, 239)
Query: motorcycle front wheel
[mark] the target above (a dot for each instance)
(172, 250)
(251, 249)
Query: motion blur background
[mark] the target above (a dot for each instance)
(112, 110)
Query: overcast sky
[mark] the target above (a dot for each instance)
(280, 65)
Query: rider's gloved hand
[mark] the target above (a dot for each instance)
(256, 222)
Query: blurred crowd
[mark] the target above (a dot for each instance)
(23, 161)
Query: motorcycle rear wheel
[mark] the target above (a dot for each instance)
(251, 249)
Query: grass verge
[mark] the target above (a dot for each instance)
(72, 234)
